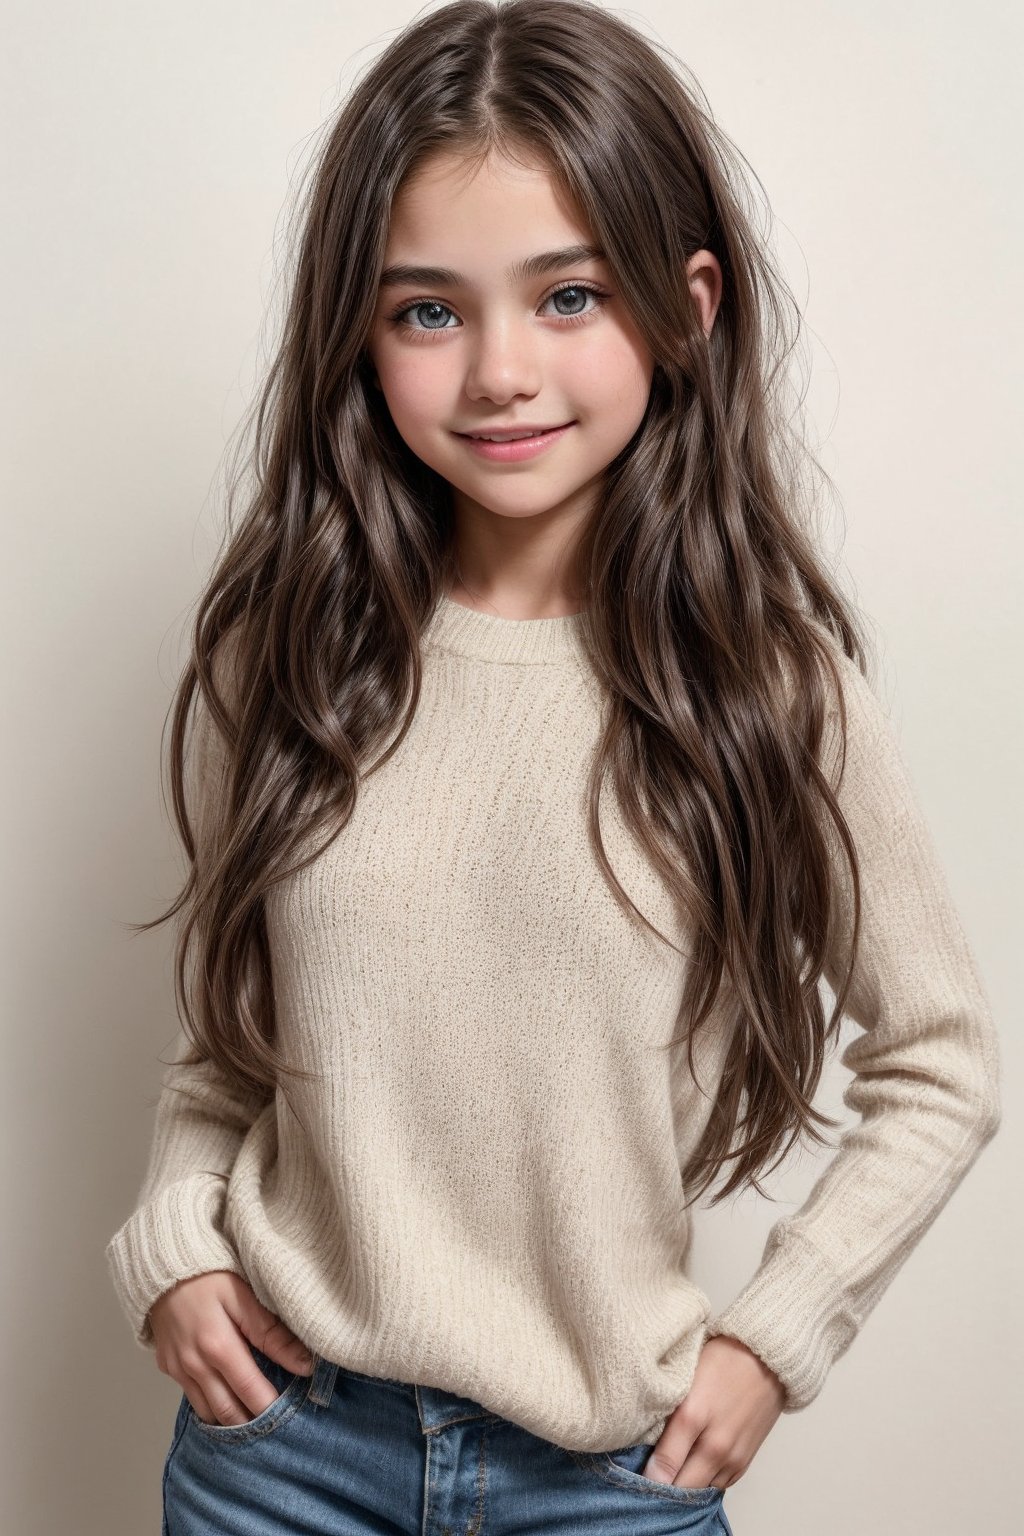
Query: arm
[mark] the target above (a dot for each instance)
(926, 1082)
(176, 1230)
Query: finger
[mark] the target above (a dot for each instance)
(698, 1479)
(279, 1342)
(248, 1389)
(697, 1472)
(197, 1397)
(220, 1399)
(666, 1460)
(262, 1327)
(703, 1468)
(682, 1467)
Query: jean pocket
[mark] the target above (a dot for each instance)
(621, 1469)
(293, 1389)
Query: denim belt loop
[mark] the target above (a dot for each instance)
(324, 1374)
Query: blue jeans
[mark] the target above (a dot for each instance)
(340, 1453)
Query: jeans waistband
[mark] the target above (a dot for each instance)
(436, 1406)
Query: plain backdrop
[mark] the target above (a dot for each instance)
(149, 153)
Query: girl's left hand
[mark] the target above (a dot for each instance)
(714, 1433)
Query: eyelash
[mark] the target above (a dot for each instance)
(396, 316)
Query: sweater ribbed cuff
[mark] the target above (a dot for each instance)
(791, 1315)
(172, 1237)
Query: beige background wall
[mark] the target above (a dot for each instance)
(148, 155)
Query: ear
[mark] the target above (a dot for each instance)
(704, 275)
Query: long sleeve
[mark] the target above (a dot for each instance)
(926, 1083)
(176, 1229)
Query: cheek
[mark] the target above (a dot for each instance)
(416, 384)
(421, 399)
(619, 396)
(617, 371)
(411, 390)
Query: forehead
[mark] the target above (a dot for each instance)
(483, 218)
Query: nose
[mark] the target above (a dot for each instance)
(506, 361)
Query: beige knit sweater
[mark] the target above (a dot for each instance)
(491, 1200)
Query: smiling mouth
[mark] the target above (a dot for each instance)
(513, 437)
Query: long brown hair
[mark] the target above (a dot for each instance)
(710, 618)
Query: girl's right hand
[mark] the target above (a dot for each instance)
(202, 1328)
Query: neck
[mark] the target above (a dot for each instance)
(456, 627)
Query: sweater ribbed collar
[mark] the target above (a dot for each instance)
(467, 632)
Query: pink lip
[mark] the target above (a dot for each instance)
(519, 448)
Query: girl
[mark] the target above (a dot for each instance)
(535, 786)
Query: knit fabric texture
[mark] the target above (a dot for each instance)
(488, 1199)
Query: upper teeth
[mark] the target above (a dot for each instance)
(506, 437)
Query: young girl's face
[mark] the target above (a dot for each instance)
(482, 347)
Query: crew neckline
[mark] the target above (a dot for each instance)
(487, 637)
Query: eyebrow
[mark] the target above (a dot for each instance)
(530, 266)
